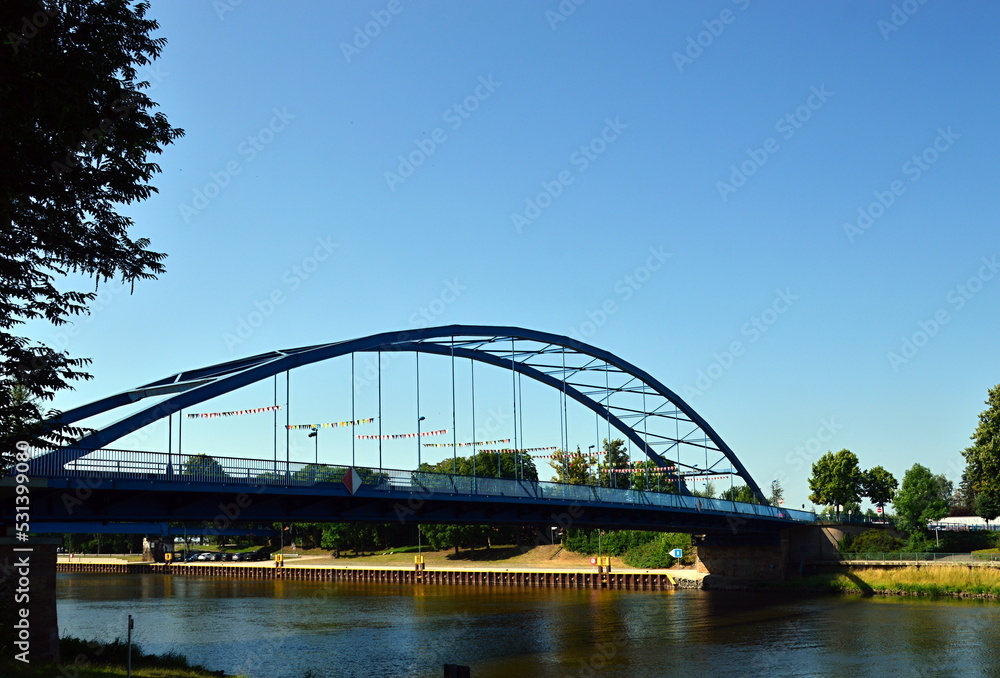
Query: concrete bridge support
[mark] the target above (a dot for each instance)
(754, 556)
(742, 556)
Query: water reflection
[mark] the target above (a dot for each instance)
(283, 628)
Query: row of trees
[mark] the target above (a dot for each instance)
(837, 480)
(487, 464)
(577, 468)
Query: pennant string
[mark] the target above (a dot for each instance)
(403, 435)
(234, 413)
(336, 424)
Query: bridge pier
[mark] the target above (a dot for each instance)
(775, 556)
(28, 600)
(743, 556)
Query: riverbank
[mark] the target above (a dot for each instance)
(543, 557)
(955, 581)
(591, 578)
(88, 659)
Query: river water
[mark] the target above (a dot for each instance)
(282, 629)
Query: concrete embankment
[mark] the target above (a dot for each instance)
(659, 580)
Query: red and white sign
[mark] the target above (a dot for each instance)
(352, 481)
(878, 510)
(593, 561)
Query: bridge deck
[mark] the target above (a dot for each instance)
(123, 485)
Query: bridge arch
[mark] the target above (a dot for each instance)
(630, 400)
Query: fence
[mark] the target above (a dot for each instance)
(923, 557)
(200, 468)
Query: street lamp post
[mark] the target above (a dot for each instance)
(419, 419)
(315, 434)
(590, 455)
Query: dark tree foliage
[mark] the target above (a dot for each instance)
(484, 465)
(615, 457)
(740, 493)
(879, 485)
(981, 479)
(921, 499)
(836, 479)
(572, 468)
(76, 133)
(203, 466)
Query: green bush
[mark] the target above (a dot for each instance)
(873, 541)
(655, 553)
(919, 543)
(636, 548)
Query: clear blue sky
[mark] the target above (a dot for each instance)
(747, 140)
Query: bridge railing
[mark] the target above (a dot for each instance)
(200, 468)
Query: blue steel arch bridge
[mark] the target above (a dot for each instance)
(92, 486)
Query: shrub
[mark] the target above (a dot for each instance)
(874, 541)
(655, 553)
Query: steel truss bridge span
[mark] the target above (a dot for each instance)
(622, 396)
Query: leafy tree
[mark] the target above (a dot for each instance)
(740, 493)
(573, 469)
(648, 480)
(982, 458)
(988, 505)
(963, 502)
(945, 488)
(708, 491)
(441, 536)
(314, 473)
(335, 538)
(76, 134)
(920, 500)
(512, 465)
(879, 486)
(836, 479)
(615, 457)
(777, 497)
(203, 466)
(852, 508)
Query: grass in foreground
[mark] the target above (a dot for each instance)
(928, 581)
(88, 659)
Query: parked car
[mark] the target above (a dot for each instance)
(247, 556)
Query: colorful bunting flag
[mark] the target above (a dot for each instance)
(485, 442)
(403, 435)
(256, 410)
(658, 470)
(523, 450)
(336, 424)
(562, 455)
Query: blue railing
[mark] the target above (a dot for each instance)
(186, 468)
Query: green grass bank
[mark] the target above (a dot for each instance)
(88, 659)
(941, 580)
